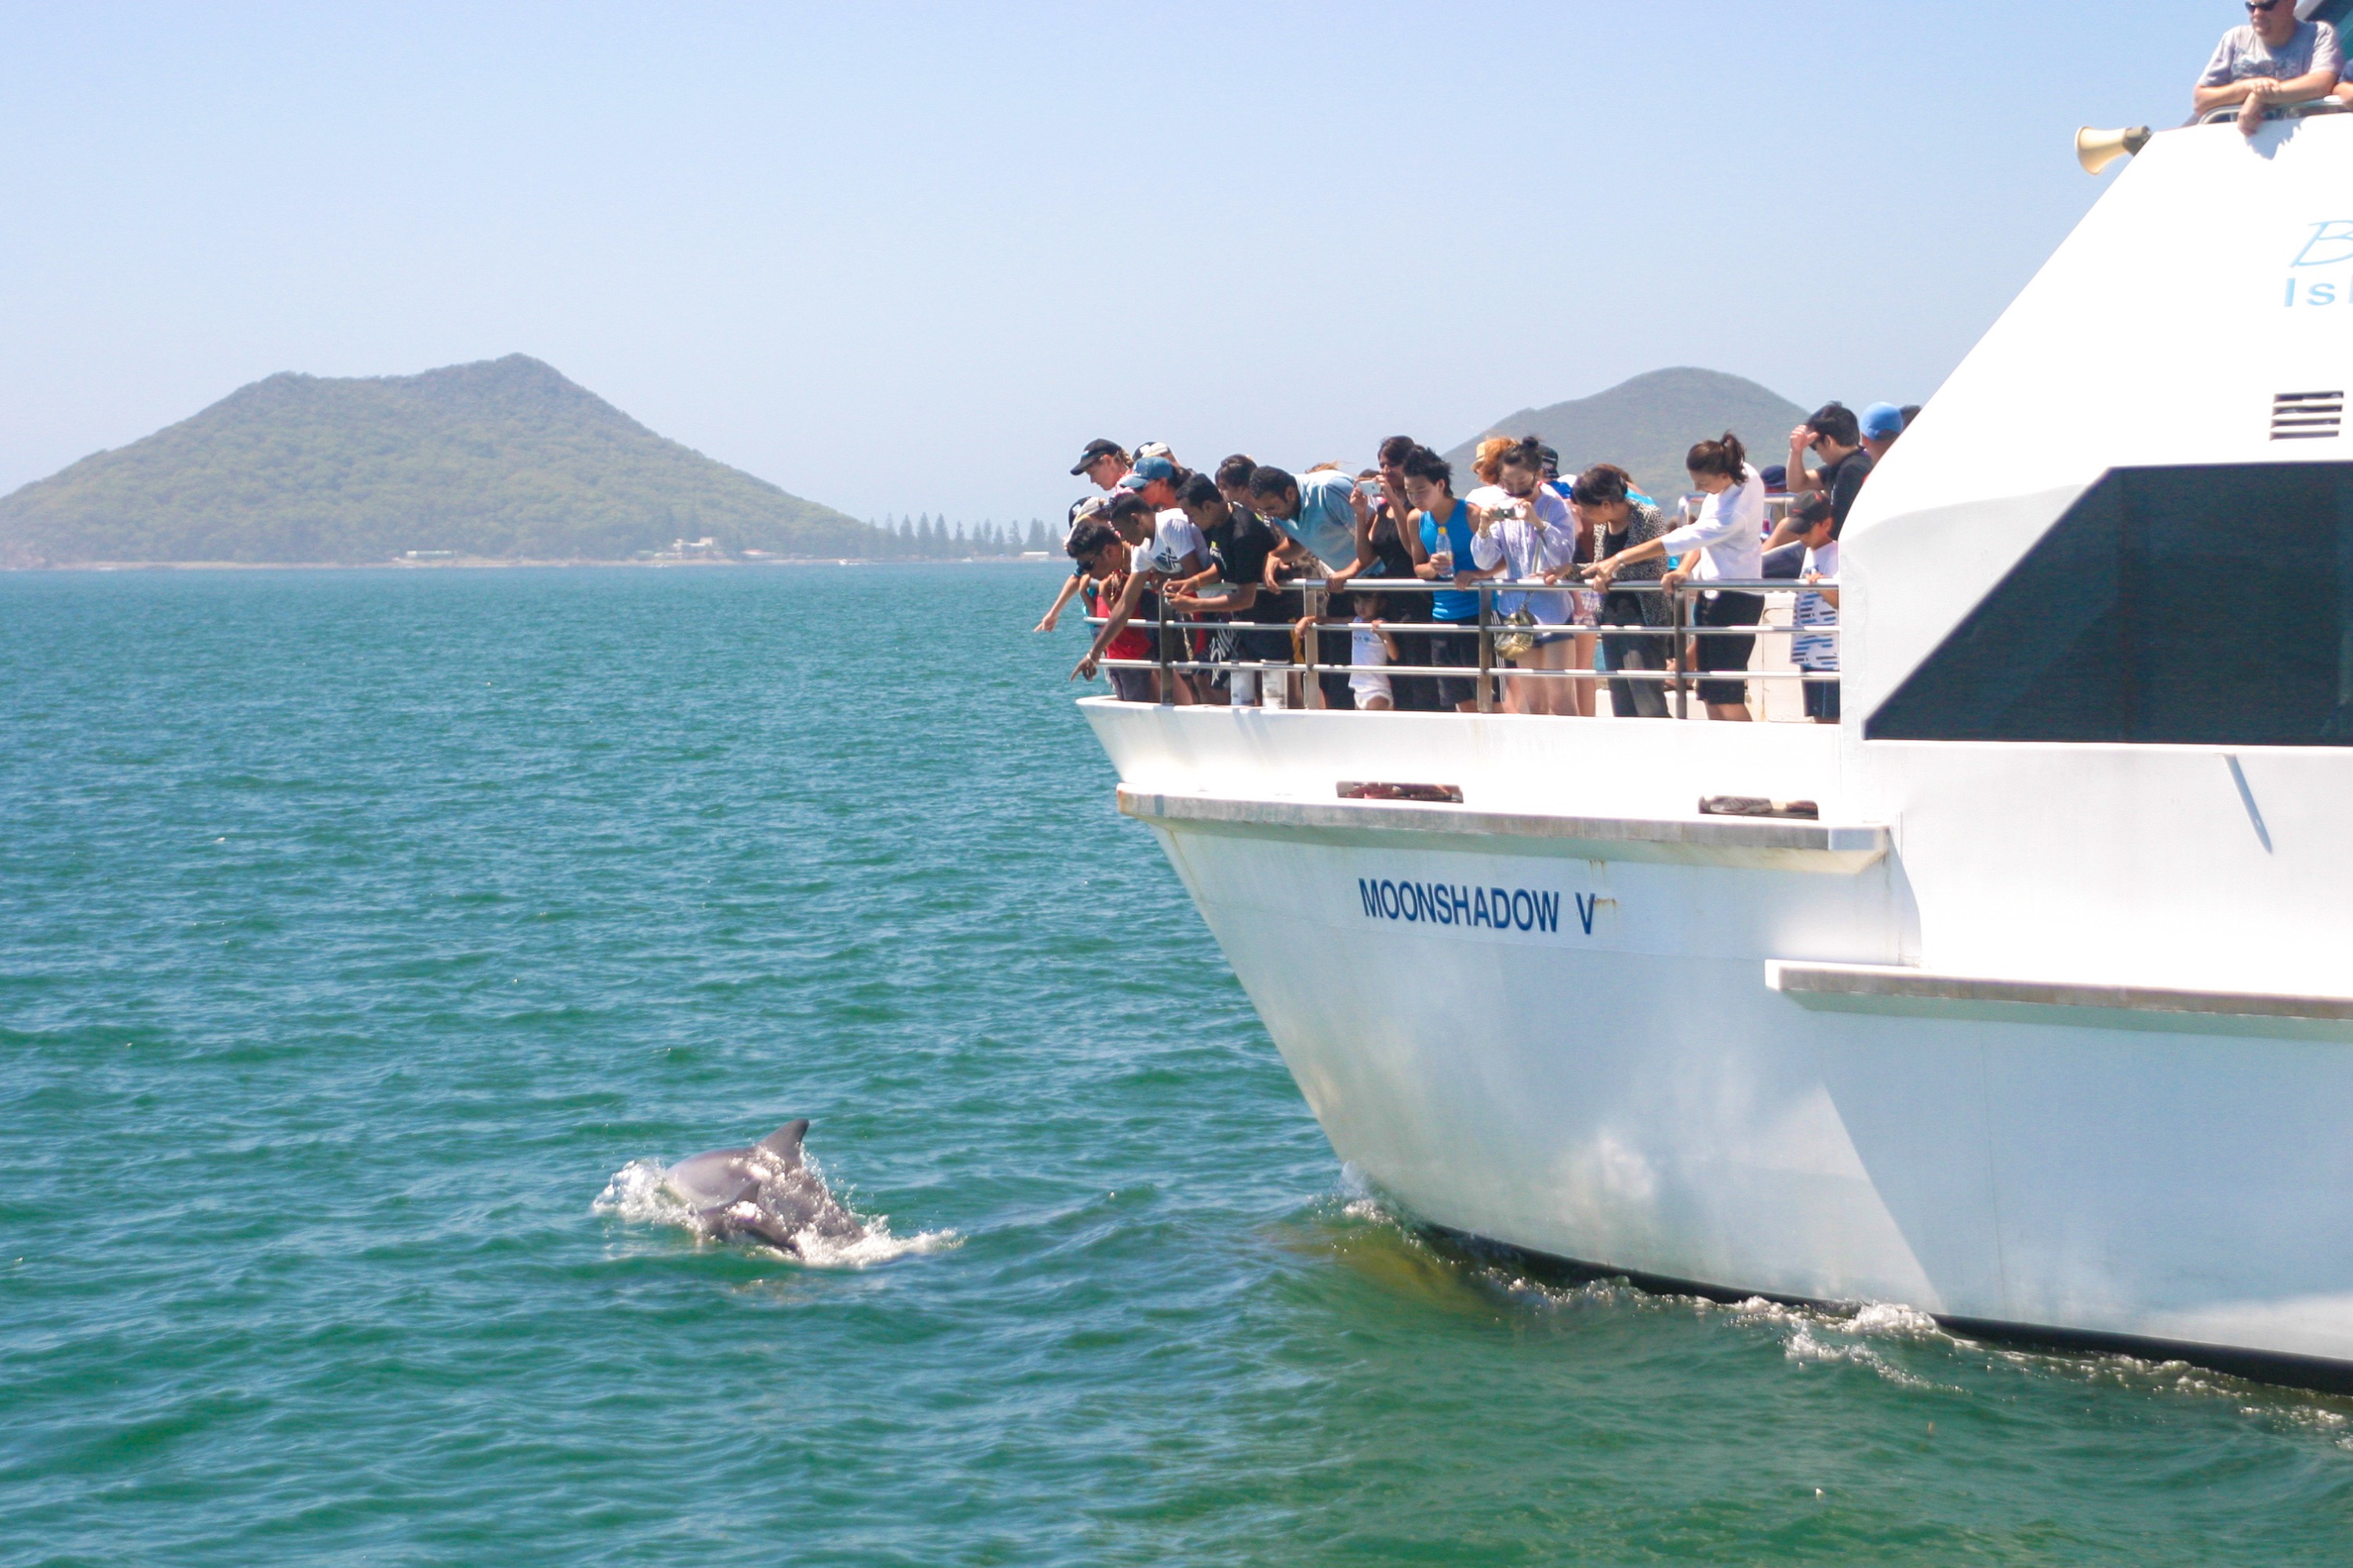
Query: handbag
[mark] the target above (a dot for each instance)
(1518, 636)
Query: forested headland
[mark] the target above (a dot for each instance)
(502, 460)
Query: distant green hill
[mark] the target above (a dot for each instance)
(505, 458)
(1646, 425)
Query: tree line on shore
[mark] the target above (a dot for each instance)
(927, 538)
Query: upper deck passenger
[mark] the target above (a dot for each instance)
(1879, 426)
(2274, 60)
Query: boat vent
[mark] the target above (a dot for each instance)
(2307, 416)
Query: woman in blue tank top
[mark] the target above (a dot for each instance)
(1445, 520)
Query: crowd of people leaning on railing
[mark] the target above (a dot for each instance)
(1528, 593)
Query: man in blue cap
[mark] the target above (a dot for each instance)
(1180, 551)
(1157, 479)
(1880, 425)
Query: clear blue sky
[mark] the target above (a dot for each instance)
(904, 259)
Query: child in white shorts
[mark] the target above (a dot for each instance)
(1370, 650)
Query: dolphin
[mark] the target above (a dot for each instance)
(766, 1193)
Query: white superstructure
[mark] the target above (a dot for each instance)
(2048, 1021)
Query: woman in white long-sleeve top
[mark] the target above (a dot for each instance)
(1522, 532)
(1728, 538)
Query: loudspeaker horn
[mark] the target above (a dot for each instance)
(2095, 150)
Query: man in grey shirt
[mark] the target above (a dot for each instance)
(2274, 60)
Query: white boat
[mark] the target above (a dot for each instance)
(2046, 1024)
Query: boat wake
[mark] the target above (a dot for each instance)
(1901, 1344)
(1860, 1337)
(639, 1193)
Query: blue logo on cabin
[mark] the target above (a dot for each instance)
(2329, 244)
(2325, 245)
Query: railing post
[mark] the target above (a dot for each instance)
(1486, 649)
(1682, 663)
(1167, 674)
(1311, 686)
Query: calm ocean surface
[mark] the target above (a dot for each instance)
(360, 927)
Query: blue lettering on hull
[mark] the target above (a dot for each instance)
(1533, 910)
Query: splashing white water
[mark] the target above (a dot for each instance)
(1821, 1336)
(1862, 1337)
(1872, 1336)
(639, 1193)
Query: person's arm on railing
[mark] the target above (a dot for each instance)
(1289, 553)
(1604, 572)
(2317, 83)
(2257, 94)
(1208, 577)
(2204, 100)
(1242, 598)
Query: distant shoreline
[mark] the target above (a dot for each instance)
(487, 563)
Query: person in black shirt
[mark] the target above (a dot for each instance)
(1388, 548)
(1239, 543)
(1832, 432)
(1621, 518)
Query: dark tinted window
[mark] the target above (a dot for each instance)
(2190, 606)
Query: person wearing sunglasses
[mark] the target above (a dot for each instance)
(2273, 61)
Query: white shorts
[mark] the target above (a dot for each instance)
(1369, 686)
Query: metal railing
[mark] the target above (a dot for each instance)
(2305, 109)
(1677, 634)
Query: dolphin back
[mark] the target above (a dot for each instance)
(784, 1143)
(766, 1191)
(722, 1177)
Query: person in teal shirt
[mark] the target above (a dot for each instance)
(1317, 509)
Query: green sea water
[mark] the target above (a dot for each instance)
(363, 934)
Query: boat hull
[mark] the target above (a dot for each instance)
(1628, 1086)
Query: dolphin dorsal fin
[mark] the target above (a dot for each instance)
(784, 1143)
